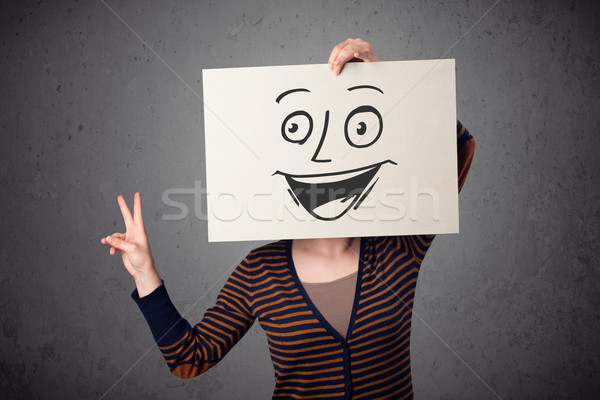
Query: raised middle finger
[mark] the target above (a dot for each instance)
(137, 210)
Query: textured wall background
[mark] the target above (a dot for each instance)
(508, 309)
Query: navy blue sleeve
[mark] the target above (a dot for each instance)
(164, 320)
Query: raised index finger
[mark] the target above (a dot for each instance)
(345, 55)
(126, 213)
(336, 50)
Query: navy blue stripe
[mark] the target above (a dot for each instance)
(464, 139)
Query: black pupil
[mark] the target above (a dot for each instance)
(293, 128)
(362, 128)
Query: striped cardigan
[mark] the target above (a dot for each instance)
(310, 358)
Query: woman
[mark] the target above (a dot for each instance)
(337, 312)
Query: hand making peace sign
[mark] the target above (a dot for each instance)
(134, 247)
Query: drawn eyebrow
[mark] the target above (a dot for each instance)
(282, 95)
(365, 87)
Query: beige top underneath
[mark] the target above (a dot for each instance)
(334, 300)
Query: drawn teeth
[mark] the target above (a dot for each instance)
(329, 178)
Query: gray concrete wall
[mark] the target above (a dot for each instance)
(507, 309)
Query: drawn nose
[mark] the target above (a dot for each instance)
(321, 141)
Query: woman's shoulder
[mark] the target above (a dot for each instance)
(403, 247)
(275, 251)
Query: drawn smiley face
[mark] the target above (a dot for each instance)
(329, 195)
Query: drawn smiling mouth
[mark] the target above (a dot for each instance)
(328, 196)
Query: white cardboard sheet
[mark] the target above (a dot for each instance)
(297, 152)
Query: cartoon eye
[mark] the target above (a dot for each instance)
(297, 127)
(363, 126)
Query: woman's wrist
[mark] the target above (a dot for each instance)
(146, 283)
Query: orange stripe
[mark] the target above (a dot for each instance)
(266, 268)
(275, 257)
(377, 339)
(381, 282)
(409, 248)
(326, 378)
(386, 300)
(397, 269)
(391, 395)
(267, 314)
(235, 304)
(358, 338)
(187, 348)
(231, 284)
(296, 333)
(274, 278)
(378, 246)
(383, 265)
(233, 295)
(314, 396)
(387, 378)
(312, 364)
(176, 343)
(295, 351)
(269, 288)
(235, 277)
(281, 300)
(384, 344)
(283, 270)
(384, 282)
(182, 349)
(383, 371)
(417, 248)
(295, 323)
(187, 371)
(220, 324)
(300, 388)
(213, 339)
(316, 372)
(235, 321)
(306, 357)
(390, 254)
(279, 248)
(383, 356)
(296, 314)
(372, 367)
(271, 269)
(383, 247)
(387, 318)
(262, 265)
(302, 341)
